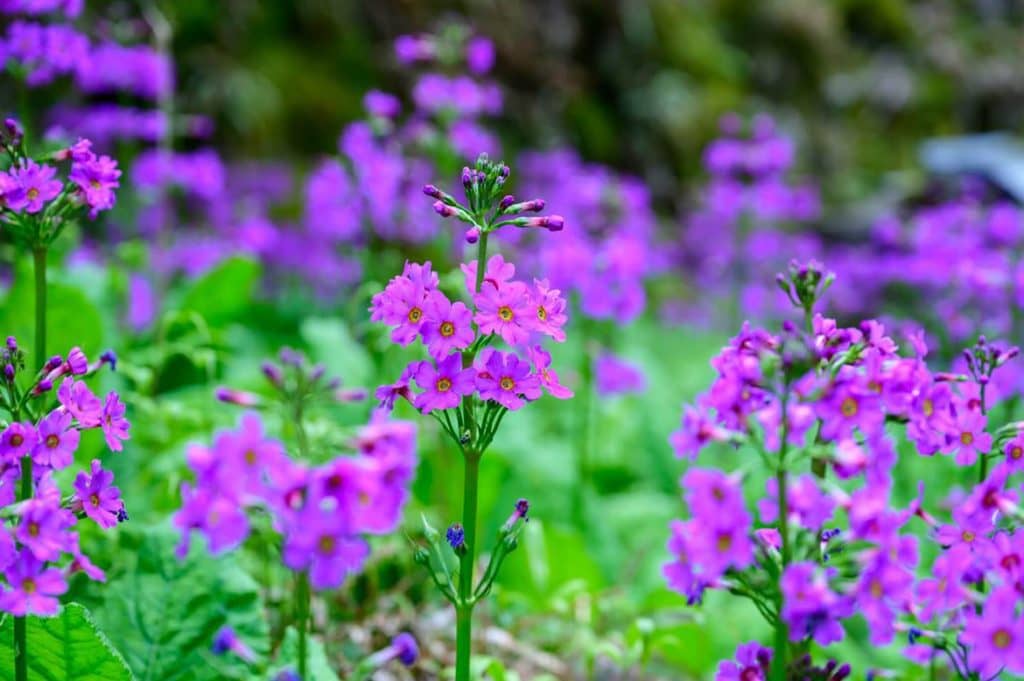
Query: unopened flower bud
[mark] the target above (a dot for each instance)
(443, 209)
(9, 372)
(472, 235)
(238, 397)
(272, 373)
(432, 191)
(43, 386)
(109, 357)
(53, 363)
(14, 132)
(506, 201)
(456, 537)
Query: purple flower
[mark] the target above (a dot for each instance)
(444, 385)
(456, 538)
(698, 429)
(80, 402)
(41, 529)
(400, 304)
(753, 663)
(995, 637)
(541, 360)
(968, 438)
(446, 326)
(319, 539)
(504, 310)
(99, 498)
(387, 394)
(77, 363)
(114, 424)
(506, 379)
(550, 310)
(37, 184)
(498, 272)
(220, 518)
(616, 376)
(16, 441)
(811, 507)
(96, 178)
(810, 607)
(57, 440)
(382, 104)
(1014, 451)
(479, 55)
(32, 587)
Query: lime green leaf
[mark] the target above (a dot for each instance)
(224, 293)
(317, 666)
(68, 647)
(163, 613)
(71, 318)
(331, 344)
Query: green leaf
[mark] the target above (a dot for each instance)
(317, 666)
(71, 318)
(225, 293)
(68, 647)
(331, 344)
(163, 613)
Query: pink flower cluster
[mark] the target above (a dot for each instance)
(39, 532)
(832, 394)
(321, 511)
(505, 308)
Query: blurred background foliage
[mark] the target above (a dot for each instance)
(638, 84)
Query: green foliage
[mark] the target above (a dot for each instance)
(67, 647)
(163, 613)
(319, 668)
(71, 318)
(225, 293)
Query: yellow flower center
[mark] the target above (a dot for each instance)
(542, 314)
(507, 383)
(1016, 452)
(967, 438)
(443, 385)
(849, 407)
(33, 529)
(29, 586)
(876, 589)
(967, 536)
(17, 439)
(52, 441)
(250, 457)
(447, 329)
(32, 194)
(505, 312)
(724, 542)
(415, 314)
(326, 544)
(94, 500)
(1001, 639)
(928, 407)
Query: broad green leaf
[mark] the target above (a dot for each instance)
(318, 668)
(71, 318)
(224, 293)
(68, 647)
(163, 613)
(332, 344)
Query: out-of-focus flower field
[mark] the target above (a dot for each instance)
(636, 340)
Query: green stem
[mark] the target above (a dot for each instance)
(25, 491)
(585, 401)
(481, 260)
(464, 608)
(302, 598)
(780, 656)
(39, 258)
